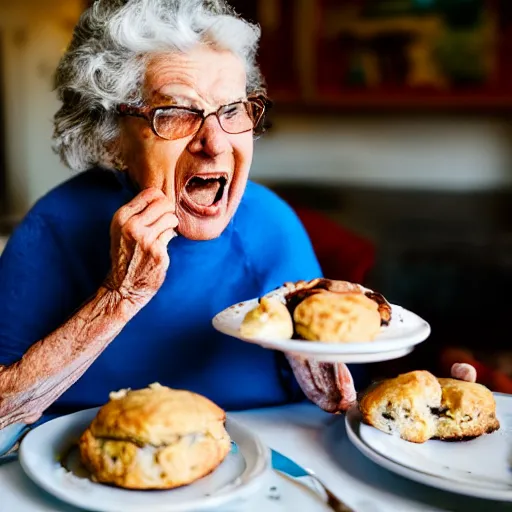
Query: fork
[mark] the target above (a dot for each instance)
(290, 468)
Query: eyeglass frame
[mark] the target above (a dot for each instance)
(149, 113)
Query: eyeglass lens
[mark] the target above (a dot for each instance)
(175, 123)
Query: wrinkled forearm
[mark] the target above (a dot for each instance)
(29, 386)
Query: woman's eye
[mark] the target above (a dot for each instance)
(231, 111)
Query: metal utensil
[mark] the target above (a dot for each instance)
(9, 457)
(287, 466)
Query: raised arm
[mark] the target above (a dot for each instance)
(140, 233)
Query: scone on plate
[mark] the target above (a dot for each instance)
(403, 406)
(301, 290)
(337, 317)
(417, 406)
(155, 438)
(322, 310)
(270, 319)
(467, 410)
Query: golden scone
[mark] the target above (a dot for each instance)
(155, 438)
(404, 405)
(337, 317)
(269, 320)
(467, 410)
(300, 290)
(419, 407)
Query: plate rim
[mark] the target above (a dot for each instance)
(443, 483)
(213, 501)
(319, 348)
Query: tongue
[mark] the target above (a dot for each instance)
(203, 192)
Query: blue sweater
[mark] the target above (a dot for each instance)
(59, 256)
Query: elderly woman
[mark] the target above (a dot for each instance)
(112, 279)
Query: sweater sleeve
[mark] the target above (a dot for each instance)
(35, 289)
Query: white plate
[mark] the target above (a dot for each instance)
(480, 468)
(405, 331)
(279, 493)
(239, 476)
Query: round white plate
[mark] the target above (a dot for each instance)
(480, 468)
(279, 493)
(405, 331)
(239, 476)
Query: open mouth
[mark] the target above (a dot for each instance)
(204, 193)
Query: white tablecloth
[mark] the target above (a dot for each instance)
(313, 439)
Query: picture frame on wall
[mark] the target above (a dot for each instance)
(361, 54)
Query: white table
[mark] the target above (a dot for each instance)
(313, 439)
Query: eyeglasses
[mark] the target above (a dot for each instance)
(175, 122)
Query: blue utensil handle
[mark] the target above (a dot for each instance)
(10, 435)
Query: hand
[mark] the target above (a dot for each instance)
(330, 385)
(140, 232)
(463, 371)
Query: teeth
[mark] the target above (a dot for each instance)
(209, 177)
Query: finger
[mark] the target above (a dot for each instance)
(345, 384)
(165, 222)
(137, 228)
(166, 236)
(159, 248)
(153, 212)
(138, 204)
(463, 371)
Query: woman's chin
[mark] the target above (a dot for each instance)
(202, 228)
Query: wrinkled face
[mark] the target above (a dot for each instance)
(205, 172)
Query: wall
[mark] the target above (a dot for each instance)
(34, 35)
(450, 153)
(419, 153)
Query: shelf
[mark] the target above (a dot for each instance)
(354, 101)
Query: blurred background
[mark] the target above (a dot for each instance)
(390, 136)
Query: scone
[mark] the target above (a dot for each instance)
(155, 438)
(337, 317)
(467, 410)
(301, 290)
(403, 406)
(269, 320)
(417, 406)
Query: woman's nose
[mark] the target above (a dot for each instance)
(210, 138)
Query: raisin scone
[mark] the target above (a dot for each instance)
(403, 406)
(417, 406)
(337, 318)
(155, 438)
(468, 410)
(270, 319)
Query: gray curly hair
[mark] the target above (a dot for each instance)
(106, 61)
